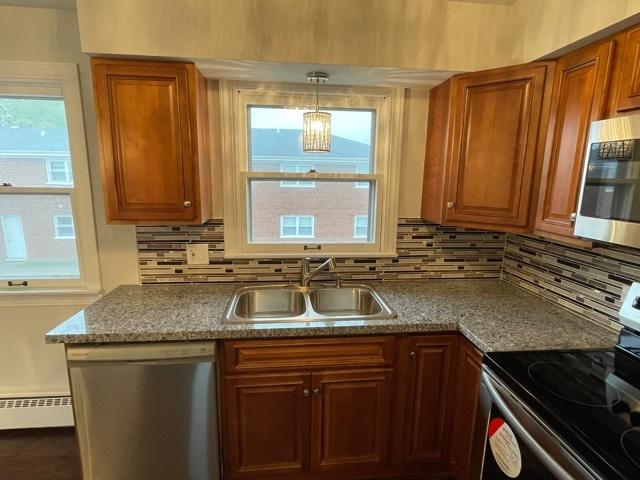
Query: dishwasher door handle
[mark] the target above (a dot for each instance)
(140, 353)
(515, 424)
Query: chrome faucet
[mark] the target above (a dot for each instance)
(306, 274)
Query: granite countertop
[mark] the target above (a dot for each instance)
(493, 314)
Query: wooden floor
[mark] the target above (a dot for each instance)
(39, 454)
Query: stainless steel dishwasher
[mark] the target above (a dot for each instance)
(146, 411)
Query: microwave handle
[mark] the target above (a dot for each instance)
(536, 448)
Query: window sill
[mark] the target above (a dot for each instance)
(310, 254)
(49, 296)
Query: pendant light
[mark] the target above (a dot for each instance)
(316, 128)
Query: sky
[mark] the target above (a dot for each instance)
(354, 125)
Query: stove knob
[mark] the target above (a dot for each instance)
(635, 418)
(620, 407)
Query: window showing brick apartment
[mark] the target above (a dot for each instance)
(297, 226)
(45, 214)
(288, 202)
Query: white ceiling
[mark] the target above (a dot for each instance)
(339, 74)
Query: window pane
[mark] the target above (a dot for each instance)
(325, 213)
(37, 237)
(276, 140)
(34, 145)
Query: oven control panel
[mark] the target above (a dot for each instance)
(630, 311)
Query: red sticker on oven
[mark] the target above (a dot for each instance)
(505, 449)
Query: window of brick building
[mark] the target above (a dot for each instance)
(63, 227)
(314, 215)
(297, 226)
(45, 189)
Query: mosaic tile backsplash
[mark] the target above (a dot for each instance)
(591, 283)
(425, 250)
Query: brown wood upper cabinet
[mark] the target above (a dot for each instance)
(627, 95)
(483, 145)
(578, 98)
(152, 120)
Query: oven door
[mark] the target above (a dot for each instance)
(609, 206)
(514, 443)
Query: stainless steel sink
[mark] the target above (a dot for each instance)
(292, 303)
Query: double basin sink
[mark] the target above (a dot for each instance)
(292, 303)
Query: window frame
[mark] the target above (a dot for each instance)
(56, 227)
(388, 103)
(67, 170)
(57, 80)
(297, 221)
(296, 183)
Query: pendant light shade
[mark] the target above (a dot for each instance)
(316, 132)
(316, 127)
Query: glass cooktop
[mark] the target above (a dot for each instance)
(590, 399)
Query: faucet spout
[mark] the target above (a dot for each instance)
(306, 274)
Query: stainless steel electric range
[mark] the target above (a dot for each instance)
(563, 414)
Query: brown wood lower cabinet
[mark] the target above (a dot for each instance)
(371, 416)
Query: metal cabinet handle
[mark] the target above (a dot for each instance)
(412, 355)
(450, 204)
(306, 392)
(316, 392)
(573, 217)
(187, 203)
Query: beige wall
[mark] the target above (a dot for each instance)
(26, 363)
(539, 27)
(425, 34)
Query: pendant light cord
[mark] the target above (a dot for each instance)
(317, 101)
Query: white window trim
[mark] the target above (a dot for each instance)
(361, 184)
(67, 170)
(56, 228)
(297, 183)
(58, 80)
(355, 226)
(297, 218)
(236, 96)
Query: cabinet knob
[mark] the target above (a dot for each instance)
(572, 217)
(412, 355)
(187, 203)
(450, 204)
(306, 392)
(316, 392)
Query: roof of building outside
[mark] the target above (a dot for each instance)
(42, 140)
(272, 142)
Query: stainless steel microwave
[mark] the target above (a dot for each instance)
(609, 204)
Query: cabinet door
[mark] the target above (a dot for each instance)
(350, 426)
(148, 156)
(467, 387)
(429, 383)
(628, 94)
(266, 420)
(578, 98)
(495, 146)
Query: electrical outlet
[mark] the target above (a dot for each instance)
(197, 253)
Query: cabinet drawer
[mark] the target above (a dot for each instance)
(246, 356)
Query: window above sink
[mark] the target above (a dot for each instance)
(282, 202)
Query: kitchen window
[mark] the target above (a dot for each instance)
(42, 151)
(360, 226)
(297, 226)
(296, 183)
(262, 140)
(63, 227)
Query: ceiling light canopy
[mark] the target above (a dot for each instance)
(316, 128)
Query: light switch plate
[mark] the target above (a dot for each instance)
(630, 311)
(197, 253)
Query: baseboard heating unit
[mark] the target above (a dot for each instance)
(35, 412)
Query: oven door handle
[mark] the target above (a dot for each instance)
(531, 442)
